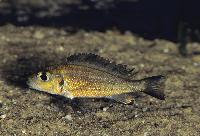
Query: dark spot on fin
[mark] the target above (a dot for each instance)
(97, 62)
(155, 86)
(123, 98)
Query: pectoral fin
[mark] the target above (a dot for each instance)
(123, 98)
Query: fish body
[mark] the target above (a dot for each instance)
(84, 76)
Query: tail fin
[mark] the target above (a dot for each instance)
(155, 86)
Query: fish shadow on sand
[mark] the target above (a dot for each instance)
(17, 72)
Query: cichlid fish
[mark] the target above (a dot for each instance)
(88, 75)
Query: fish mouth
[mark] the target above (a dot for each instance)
(32, 85)
(28, 83)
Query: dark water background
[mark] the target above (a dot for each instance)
(170, 19)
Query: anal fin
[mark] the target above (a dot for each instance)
(123, 98)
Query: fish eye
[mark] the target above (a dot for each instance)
(44, 76)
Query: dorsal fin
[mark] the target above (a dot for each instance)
(97, 62)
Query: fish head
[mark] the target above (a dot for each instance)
(46, 82)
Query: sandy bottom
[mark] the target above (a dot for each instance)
(24, 50)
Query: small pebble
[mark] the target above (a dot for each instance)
(38, 35)
(145, 109)
(141, 65)
(195, 64)
(24, 131)
(166, 50)
(60, 48)
(105, 109)
(3, 116)
(68, 117)
(136, 115)
(145, 133)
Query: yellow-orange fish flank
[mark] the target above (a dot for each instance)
(88, 75)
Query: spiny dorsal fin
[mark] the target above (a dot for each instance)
(97, 62)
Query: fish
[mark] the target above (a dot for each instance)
(87, 75)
